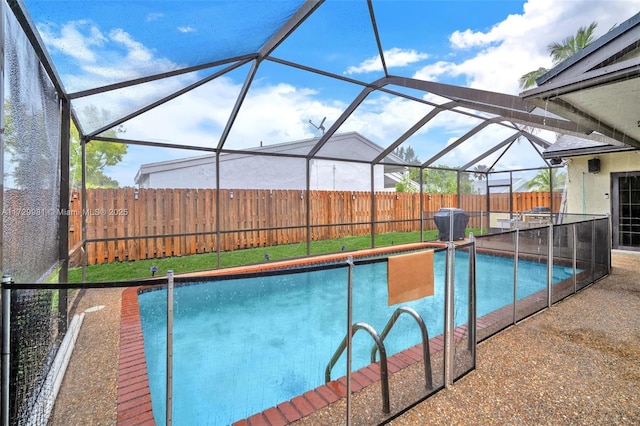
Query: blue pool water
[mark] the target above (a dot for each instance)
(244, 345)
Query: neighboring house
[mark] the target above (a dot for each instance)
(391, 179)
(599, 88)
(276, 170)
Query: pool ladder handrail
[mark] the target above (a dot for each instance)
(426, 354)
(384, 373)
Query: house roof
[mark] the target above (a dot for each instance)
(572, 146)
(501, 185)
(351, 145)
(599, 87)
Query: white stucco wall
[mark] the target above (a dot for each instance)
(255, 172)
(590, 193)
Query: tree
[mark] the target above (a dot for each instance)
(559, 52)
(31, 153)
(98, 154)
(33, 164)
(407, 154)
(541, 181)
(407, 184)
(443, 180)
(480, 172)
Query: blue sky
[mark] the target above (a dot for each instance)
(481, 44)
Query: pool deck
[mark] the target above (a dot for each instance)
(574, 363)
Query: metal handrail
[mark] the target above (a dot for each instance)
(426, 354)
(384, 374)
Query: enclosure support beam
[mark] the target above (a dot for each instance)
(5, 296)
(551, 185)
(373, 209)
(458, 192)
(511, 194)
(421, 212)
(83, 192)
(550, 265)
(2, 41)
(218, 209)
(308, 207)
(63, 224)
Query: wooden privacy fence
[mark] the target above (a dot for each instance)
(133, 224)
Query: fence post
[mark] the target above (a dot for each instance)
(6, 348)
(550, 266)
(575, 258)
(169, 403)
(472, 297)
(349, 334)
(593, 250)
(516, 256)
(449, 314)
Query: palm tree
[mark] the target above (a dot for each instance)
(480, 171)
(541, 181)
(568, 47)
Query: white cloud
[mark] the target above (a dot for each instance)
(187, 29)
(394, 58)
(136, 52)
(76, 39)
(104, 59)
(432, 72)
(519, 43)
(151, 17)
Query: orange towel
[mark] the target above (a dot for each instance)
(410, 276)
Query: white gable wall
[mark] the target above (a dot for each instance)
(262, 172)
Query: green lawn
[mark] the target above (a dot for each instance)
(124, 271)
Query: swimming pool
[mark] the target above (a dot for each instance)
(243, 345)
